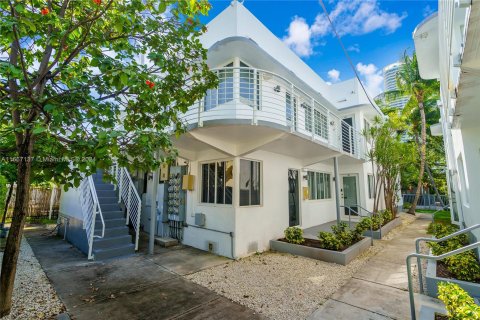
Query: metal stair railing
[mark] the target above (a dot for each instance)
(90, 209)
(130, 197)
(420, 256)
(350, 210)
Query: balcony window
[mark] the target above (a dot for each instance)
(249, 86)
(224, 92)
(320, 121)
(217, 182)
(290, 110)
(250, 182)
(308, 116)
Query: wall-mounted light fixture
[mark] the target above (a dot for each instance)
(276, 89)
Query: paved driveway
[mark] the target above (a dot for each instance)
(137, 287)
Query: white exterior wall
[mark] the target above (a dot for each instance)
(70, 203)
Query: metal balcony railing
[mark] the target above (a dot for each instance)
(261, 96)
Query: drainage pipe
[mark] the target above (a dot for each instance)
(231, 234)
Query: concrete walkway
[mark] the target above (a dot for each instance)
(380, 289)
(136, 287)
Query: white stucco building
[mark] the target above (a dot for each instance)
(448, 49)
(260, 148)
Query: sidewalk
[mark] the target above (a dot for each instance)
(380, 289)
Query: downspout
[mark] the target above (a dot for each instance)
(337, 188)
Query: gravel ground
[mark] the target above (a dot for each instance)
(264, 281)
(33, 296)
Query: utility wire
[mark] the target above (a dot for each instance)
(346, 54)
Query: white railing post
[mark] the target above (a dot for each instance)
(254, 100)
(350, 140)
(120, 187)
(129, 196)
(52, 199)
(114, 175)
(199, 113)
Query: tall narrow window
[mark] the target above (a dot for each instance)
(224, 92)
(250, 183)
(320, 121)
(249, 85)
(308, 116)
(217, 182)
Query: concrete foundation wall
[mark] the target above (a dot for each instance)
(75, 234)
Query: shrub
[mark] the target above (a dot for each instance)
(329, 241)
(364, 224)
(294, 235)
(387, 216)
(463, 266)
(376, 221)
(459, 305)
(407, 205)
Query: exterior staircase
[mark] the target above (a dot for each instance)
(117, 240)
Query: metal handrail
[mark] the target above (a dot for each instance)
(429, 257)
(417, 248)
(119, 173)
(350, 210)
(96, 205)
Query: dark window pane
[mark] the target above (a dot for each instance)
(205, 183)
(228, 182)
(245, 182)
(255, 177)
(211, 183)
(220, 182)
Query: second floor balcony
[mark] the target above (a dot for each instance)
(261, 98)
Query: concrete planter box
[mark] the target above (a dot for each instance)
(344, 257)
(385, 229)
(432, 282)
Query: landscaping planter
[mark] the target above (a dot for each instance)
(385, 229)
(340, 257)
(432, 281)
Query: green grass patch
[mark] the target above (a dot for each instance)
(440, 216)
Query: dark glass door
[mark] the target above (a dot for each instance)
(293, 210)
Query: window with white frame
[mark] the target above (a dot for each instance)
(250, 182)
(319, 185)
(224, 92)
(371, 187)
(308, 116)
(217, 182)
(320, 121)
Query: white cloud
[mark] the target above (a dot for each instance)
(334, 75)
(299, 37)
(427, 11)
(355, 47)
(353, 17)
(372, 78)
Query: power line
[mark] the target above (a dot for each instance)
(346, 54)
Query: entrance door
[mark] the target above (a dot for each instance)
(349, 193)
(293, 210)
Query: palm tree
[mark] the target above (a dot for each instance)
(410, 83)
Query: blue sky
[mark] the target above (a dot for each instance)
(375, 32)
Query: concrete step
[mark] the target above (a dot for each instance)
(106, 194)
(103, 187)
(108, 200)
(112, 242)
(100, 254)
(111, 215)
(113, 231)
(110, 207)
(113, 223)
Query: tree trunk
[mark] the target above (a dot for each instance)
(432, 181)
(423, 151)
(7, 203)
(12, 248)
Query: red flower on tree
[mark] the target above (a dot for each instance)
(150, 84)
(97, 2)
(190, 21)
(44, 11)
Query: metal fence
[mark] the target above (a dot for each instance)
(43, 203)
(426, 201)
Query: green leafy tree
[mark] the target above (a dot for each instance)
(97, 80)
(420, 91)
(390, 156)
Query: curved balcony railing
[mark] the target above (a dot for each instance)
(261, 96)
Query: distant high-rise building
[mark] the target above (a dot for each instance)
(390, 84)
